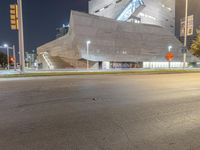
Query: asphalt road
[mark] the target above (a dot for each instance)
(108, 112)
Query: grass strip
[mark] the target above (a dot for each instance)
(138, 72)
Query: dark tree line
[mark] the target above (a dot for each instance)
(195, 47)
(3, 59)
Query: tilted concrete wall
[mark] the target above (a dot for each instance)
(122, 41)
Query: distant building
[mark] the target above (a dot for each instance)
(62, 31)
(30, 59)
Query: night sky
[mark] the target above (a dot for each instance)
(41, 18)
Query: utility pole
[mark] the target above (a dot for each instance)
(21, 36)
(8, 57)
(186, 33)
(14, 56)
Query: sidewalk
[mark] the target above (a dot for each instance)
(7, 72)
(40, 73)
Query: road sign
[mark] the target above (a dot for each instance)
(169, 56)
(190, 26)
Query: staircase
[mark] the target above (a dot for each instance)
(55, 62)
(59, 63)
(47, 60)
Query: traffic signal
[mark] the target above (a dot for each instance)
(14, 23)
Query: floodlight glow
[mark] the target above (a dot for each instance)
(88, 42)
(5, 45)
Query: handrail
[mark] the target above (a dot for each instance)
(45, 56)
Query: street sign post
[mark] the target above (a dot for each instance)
(169, 56)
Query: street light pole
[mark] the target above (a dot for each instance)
(6, 46)
(186, 32)
(8, 56)
(21, 36)
(88, 44)
(169, 50)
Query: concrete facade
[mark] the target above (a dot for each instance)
(111, 42)
(157, 12)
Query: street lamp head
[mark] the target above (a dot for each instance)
(169, 48)
(5, 45)
(88, 42)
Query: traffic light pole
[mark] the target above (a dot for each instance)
(21, 36)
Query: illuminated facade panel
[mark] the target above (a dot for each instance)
(130, 9)
(156, 12)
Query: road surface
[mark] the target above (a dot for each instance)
(103, 112)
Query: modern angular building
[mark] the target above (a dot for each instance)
(122, 34)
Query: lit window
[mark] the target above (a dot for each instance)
(118, 1)
(168, 8)
(99, 10)
(147, 16)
